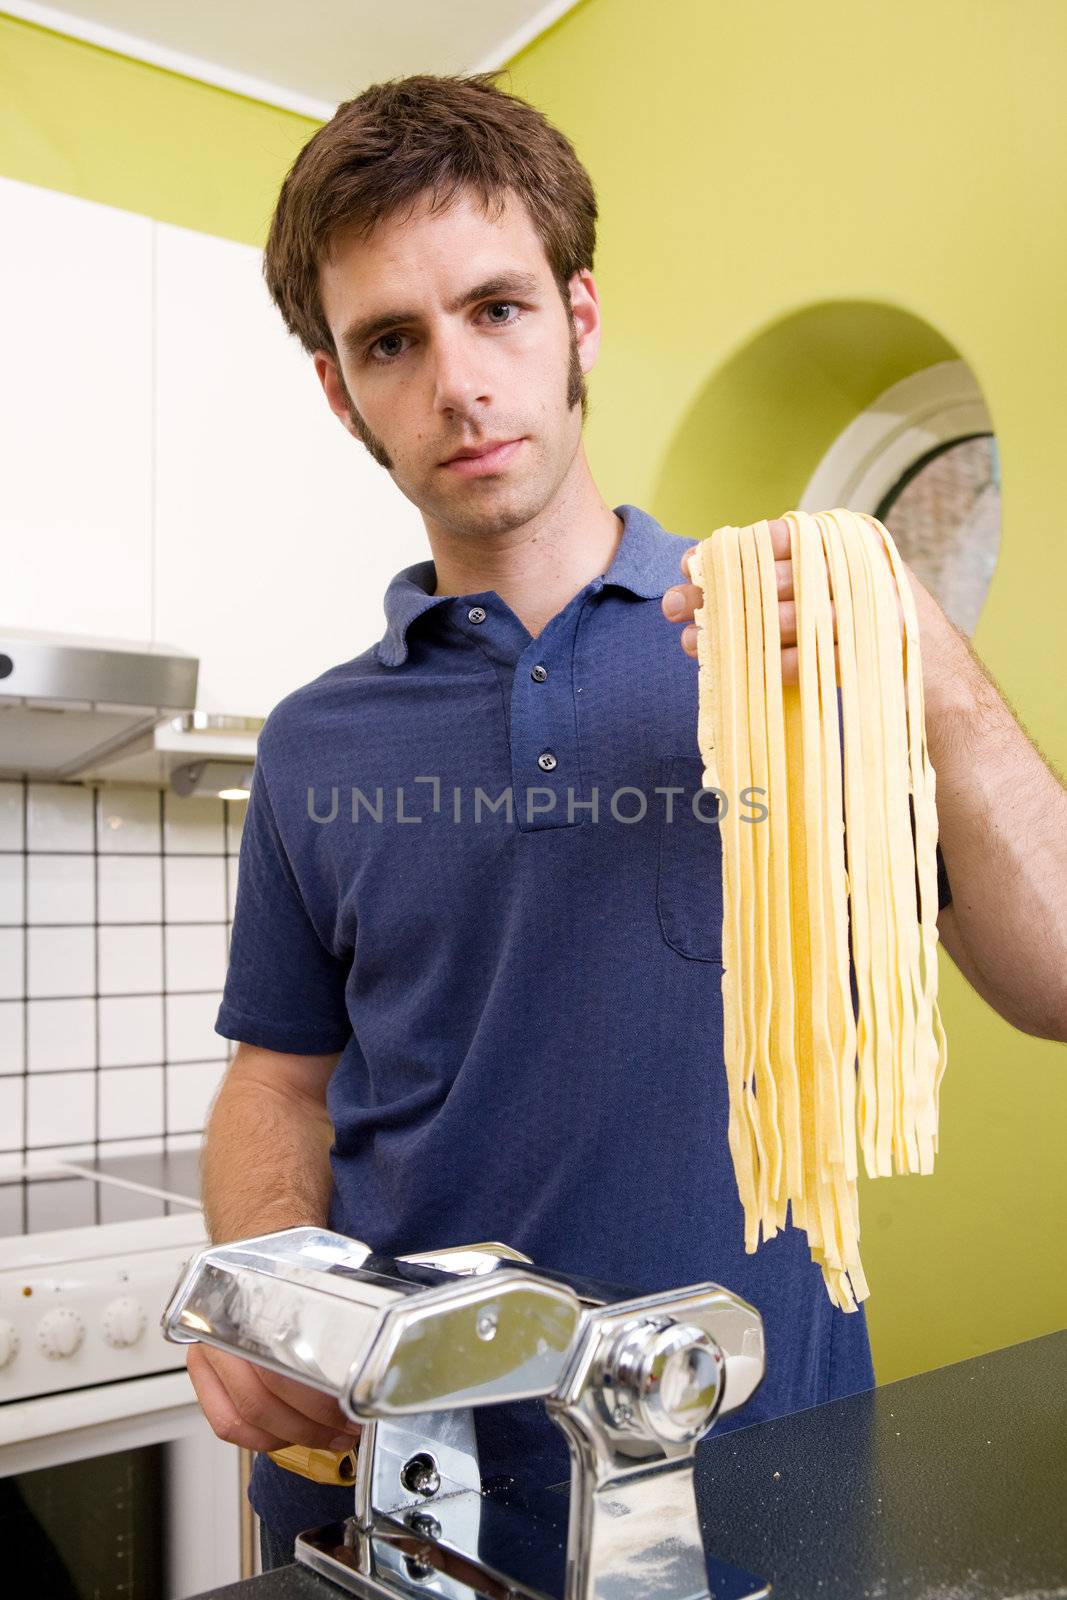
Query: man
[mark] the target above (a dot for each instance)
(475, 973)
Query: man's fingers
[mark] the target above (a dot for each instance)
(777, 527)
(322, 1408)
(783, 564)
(780, 542)
(258, 1409)
(680, 602)
(222, 1415)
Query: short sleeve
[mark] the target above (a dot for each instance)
(284, 990)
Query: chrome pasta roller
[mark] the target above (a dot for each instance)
(410, 1345)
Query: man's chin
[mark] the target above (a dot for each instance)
(479, 506)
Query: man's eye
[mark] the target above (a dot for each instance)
(502, 305)
(384, 340)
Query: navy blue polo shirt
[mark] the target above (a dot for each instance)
(472, 864)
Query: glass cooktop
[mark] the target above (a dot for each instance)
(114, 1189)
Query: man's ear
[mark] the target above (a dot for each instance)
(336, 393)
(585, 311)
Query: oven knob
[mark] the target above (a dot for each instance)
(9, 1342)
(60, 1333)
(122, 1322)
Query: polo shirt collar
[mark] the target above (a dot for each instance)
(645, 564)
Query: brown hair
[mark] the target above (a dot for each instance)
(398, 140)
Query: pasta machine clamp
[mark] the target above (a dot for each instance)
(410, 1345)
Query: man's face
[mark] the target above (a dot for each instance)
(452, 334)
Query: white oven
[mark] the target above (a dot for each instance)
(111, 1481)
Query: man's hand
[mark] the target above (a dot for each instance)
(680, 602)
(250, 1406)
(269, 1118)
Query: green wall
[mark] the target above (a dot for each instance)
(800, 205)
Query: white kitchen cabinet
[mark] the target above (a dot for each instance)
(75, 414)
(276, 534)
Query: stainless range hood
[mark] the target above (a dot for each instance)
(69, 702)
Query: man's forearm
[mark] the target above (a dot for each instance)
(265, 1162)
(1002, 821)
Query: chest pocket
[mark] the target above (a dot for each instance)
(689, 875)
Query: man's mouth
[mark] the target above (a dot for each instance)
(476, 461)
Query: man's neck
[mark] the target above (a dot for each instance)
(538, 568)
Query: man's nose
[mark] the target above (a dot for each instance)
(460, 380)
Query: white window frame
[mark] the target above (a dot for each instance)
(931, 408)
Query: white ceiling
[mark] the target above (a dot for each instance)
(305, 55)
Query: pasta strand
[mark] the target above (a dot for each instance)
(836, 887)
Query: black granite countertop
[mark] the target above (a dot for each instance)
(948, 1486)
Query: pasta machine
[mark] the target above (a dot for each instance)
(411, 1345)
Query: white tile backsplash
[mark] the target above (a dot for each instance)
(12, 948)
(115, 908)
(195, 888)
(12, 1036)
(193, 825)
(59, 816)
(60, 1108)
(60, 961)
(60, 888)
(191, 1032)
(11, 816)
(12, 1092)
(60, 1035)
(12, 898)
(196, 956)
(130, 960)
(128, 819)
(131, 1030)
(129, 888)
(190, 1089)
(131, 1102)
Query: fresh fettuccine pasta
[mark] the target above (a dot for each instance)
(835, 882)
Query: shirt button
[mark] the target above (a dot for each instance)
(539, 674)
(546, 761)
(476, 614)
